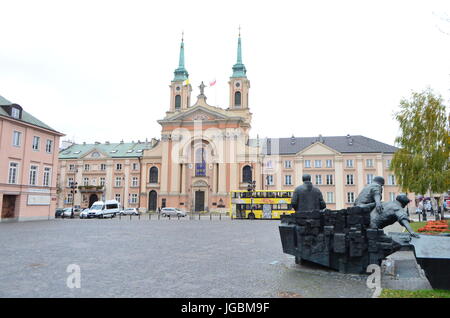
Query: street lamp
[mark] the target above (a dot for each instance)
(73, 187)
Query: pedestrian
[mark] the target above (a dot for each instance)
(159, 210)
(419, 207)
(428, 206)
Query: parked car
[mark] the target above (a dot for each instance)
(58, 213)
(71, 212)
(172, 212)
(84, 214)
(130, 211)
(107, 209)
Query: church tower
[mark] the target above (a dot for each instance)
(180, 89)
(239, 84)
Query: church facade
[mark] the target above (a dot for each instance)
(205, 152)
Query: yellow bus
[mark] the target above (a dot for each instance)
(260, 204)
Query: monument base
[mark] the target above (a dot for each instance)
(401, 271)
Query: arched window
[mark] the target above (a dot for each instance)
(237, 99)
(247, 174)
(177, 101)
(153, 175)
(200, 162)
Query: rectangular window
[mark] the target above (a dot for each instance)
(36, 141)
(135, 182)
(350, 179)
(47, 177)
(71, 167)
(307, 163)
(134, 198)
(350, 197)
(16, 138)
(391, 196)
(288, 164)
(33, 175)
(329, 179)
(103, 167)
(391, 179)
(329, 163)
(288, 180)
(49, 146)
(86, 167)
(269, 179)
(388, 164)
(117, 197)
(13, 170)
(85, 181)
(349, 163)
(118, 166)
(369, 163)
(69, 182)
(318, 179)
(102, 181)
(69, 198)
(135, 166)
(15, 112)
(317, 163)
(369, 178)
(118, 182)
(330, 197)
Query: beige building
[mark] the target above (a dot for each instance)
(205, 152)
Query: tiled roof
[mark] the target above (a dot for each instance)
(342, 144)
(113, 150)
(26, 117)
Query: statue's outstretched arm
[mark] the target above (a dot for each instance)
(405, 223)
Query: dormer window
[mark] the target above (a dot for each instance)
(15, 112)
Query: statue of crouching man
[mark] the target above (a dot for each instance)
(392, 212)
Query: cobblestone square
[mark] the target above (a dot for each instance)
(160, 258)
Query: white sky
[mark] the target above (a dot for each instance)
(100, 70)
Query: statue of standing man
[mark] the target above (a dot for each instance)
(306, 197)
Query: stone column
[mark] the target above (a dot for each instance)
(164, 168)
(183, 178)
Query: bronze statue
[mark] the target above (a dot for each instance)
(370, 196)
(392, 212)
(306, 197)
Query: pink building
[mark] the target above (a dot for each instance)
(28, 165)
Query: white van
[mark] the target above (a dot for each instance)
(107, 209)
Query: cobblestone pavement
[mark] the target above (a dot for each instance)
(160, 258)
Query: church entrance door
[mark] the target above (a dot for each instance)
(199, 201)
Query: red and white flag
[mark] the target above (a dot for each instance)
(212, 83)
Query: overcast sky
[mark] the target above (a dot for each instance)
(100, 70)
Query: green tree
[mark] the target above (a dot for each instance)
(422, 163)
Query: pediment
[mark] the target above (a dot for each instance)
(95, 154)
(199, 113)
(318, 148)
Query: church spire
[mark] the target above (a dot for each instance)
(180, 73)
(239, 69)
